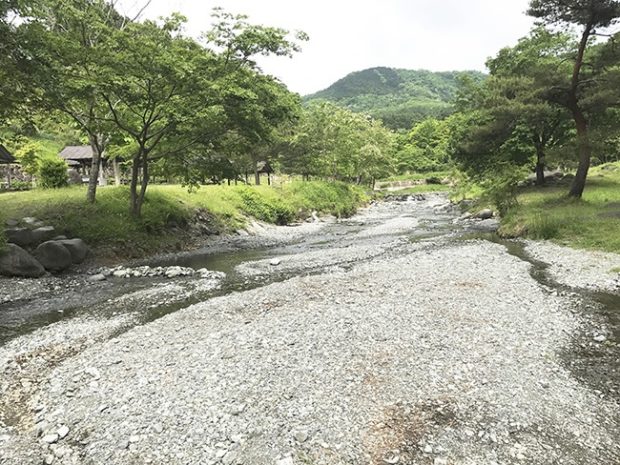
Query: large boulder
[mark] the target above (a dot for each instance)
(43, 234)
(77, 248)
(22, 237)
(15, 261)
(53, 256)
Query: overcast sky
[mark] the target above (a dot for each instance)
(346, 36)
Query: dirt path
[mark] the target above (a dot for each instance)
(363, 344)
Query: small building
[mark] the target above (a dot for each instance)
(79, 157)
(5, 156)
(263, 167)
(6, 161)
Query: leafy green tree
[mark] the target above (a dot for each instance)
(332, 142)
(592, 16)
(9, 59)
(67, 41)
(518, 91)
(424, 148)
(168, 94)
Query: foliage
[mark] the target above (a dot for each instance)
(52, 173)
(398, 97)
(590, 86)
(270, 210)
(424, 148)
(28, 156)
(330, 141)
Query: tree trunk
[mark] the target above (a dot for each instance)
(143, 185)
(585, 152)
(256, 176)
(133, 187)
(95, 166)
(117, 172)
(540, 166)
(581, 123)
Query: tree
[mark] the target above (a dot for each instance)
(591, 16)
(424, 148)
(166, 93)
(332, 142)
(518, 91)
(67, 41)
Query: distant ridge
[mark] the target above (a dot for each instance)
(400, 97)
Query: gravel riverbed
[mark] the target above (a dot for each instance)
(429, 351)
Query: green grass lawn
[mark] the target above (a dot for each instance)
(590, 223)
(168, 210)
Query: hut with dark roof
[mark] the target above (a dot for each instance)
(263, 167)
(79, 157)
(6, 160)
(5, 156)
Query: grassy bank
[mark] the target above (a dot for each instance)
(169, 211)
(590, 223)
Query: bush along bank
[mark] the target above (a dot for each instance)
(173, 218)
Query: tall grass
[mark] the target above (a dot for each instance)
(592, 222)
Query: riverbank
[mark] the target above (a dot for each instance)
(173, 218)
(592, 222)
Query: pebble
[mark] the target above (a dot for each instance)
(93, 372)
(63, 431)
(285, 461)
(392, 457)
(238, 409)
(50, 438)
(301, 435)
(600, 338)
(96, 278)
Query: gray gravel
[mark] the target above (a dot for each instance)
(432, 352)
(579, 268)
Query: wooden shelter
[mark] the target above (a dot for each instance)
(7, 159)
(263, 167)
(5, 156)
(79, 157)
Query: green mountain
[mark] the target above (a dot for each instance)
(400, 97)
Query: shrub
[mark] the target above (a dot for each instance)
(20, 185)
(53, 173)
(271, 210)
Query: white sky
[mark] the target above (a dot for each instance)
(346, 36)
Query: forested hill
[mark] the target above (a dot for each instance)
(400, 97)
